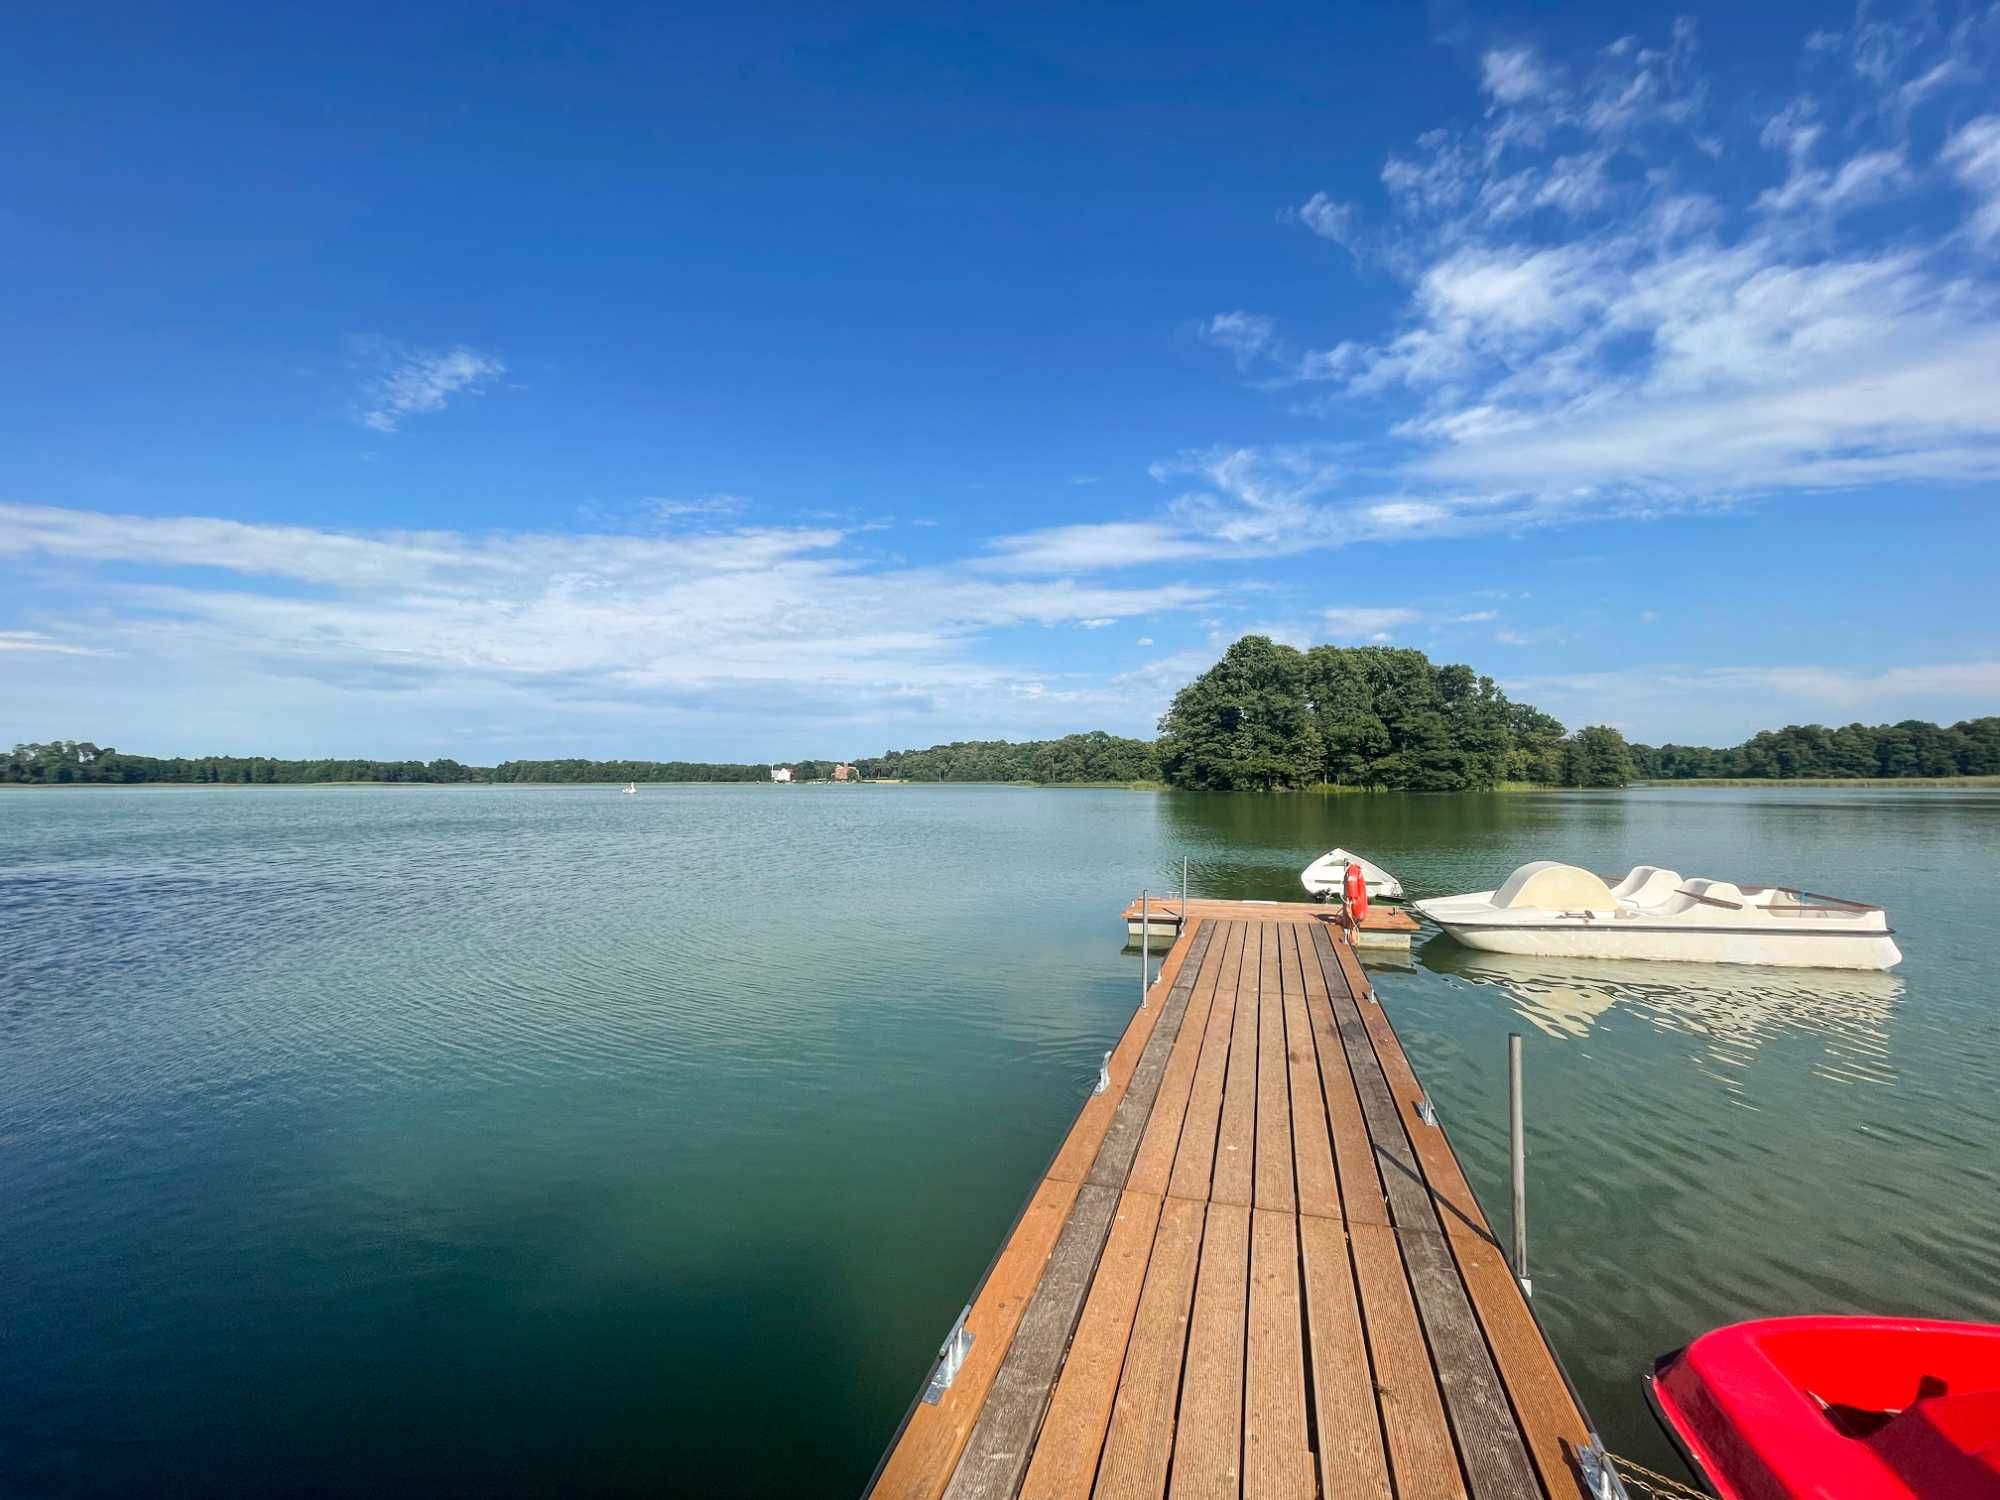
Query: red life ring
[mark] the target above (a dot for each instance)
(1354, 892)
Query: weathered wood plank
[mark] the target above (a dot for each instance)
(1274, 1187)
(1072, 1434)
(1236, 1134)
(1208, 1446)
(1079, 1148)
(1194, 1158)
(1153, 1167)
(1550, 1421)
(1554, 1428)
(1422, 1461)
(1312, 1150)
(1352, 1463)
(1128, 1121)
(1451, 1194)
(1361, 1200)
(996, 1453)
(1135, 1458)
(921, 1462)
(1496, 1461)
(1276, 1459)
(1489, 1441)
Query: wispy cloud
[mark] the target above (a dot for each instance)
(35, 640)
(1362, 624)
(1245, 335)
(665, 509)
(411, 382)
(1616, 306)
(778, 616)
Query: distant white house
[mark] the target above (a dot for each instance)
(781, 773)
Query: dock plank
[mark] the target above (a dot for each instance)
(1128, 1122)
(1352, 1463)
(1194, 1158)
(1496, 1462)
(1236, 1133)
(1312, 1148)
(1274, 1185)
(1072, 1435)
(1422, 1459)
(1361, 1200)
(1550, 1421)
(1208, 1447)
(1153, 1167)
(996, 1453)
(1276, 1459)
(1141, 1439)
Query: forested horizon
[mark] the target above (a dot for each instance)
(1265, 717)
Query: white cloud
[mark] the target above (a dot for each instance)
(665, 509)
(35, 640)
(413, 382)
(1476, 617)
(1360, 623)
(1245, 335)
(1605, 319)
(1512, 74)
(1099, 622)
(614, 622)
(1330, 220)
(1090, 546)
(1144, 640)
(1973, 155)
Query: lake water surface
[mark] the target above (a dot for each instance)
(521, 1140)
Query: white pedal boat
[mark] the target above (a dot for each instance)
(1550, 910)
(1323, 876)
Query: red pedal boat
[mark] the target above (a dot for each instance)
(1838, 1409)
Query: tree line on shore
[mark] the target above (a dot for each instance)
(1807, 752)
(1266, 717)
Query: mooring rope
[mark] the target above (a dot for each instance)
(1644, 1481)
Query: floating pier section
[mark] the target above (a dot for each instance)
(1387, 928)
(1253, 1269)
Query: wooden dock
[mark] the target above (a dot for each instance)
(1385, 927)
(1253, 1269)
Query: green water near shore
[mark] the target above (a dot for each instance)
(520, 1139)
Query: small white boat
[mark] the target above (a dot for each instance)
(631, 788)
(1551, 910)
(1323, 876)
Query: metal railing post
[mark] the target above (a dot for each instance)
(1518, 1149)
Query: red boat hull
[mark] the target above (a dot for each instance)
(1838, 1409)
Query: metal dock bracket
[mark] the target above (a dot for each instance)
(1599, 1478)
(951, 1358)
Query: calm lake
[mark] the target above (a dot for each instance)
(524, 1140)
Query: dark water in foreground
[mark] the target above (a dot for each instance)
(530, 1140)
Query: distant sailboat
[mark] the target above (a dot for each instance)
(631, 788)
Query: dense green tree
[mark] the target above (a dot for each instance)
(1808, 751)
(1266, 716)
(1598, 756)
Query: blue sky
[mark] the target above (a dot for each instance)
(496, 381)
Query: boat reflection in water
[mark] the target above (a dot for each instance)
(1736, 1006)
